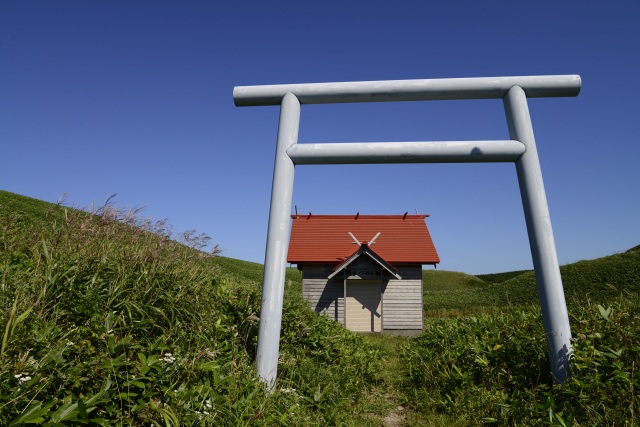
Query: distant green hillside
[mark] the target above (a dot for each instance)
(442, 280)
(500, 277)
(250, 271)
(597, 281)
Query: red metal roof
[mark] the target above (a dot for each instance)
(326, 239)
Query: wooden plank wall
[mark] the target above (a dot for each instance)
(323, 295)
(402, 300)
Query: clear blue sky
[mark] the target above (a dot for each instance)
(135, 98)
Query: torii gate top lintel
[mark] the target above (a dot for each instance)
(408, 90)
(520, 149)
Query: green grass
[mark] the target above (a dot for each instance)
(28, 208)
(106, 320)
(593, 281)
(439, 280)
(500, 277)
(482, 358)
(250, 271)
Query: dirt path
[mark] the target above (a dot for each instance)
(389, 393)
(395, 417)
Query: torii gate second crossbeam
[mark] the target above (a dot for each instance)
(520, 149)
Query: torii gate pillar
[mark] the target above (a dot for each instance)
(541, 241)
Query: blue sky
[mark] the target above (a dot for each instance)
(135, 98)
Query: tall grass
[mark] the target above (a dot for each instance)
(492, 367)
(107, 320)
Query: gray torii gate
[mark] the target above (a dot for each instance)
(520, 149)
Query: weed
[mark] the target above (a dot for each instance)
(107, 320)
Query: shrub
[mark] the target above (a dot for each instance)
(494, 368)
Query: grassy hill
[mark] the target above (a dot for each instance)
(598, 281)
(250, 271)
(29, 209)
(500, 277)
(108, 321)
(442, 280)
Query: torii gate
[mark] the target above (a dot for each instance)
(520, 149)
